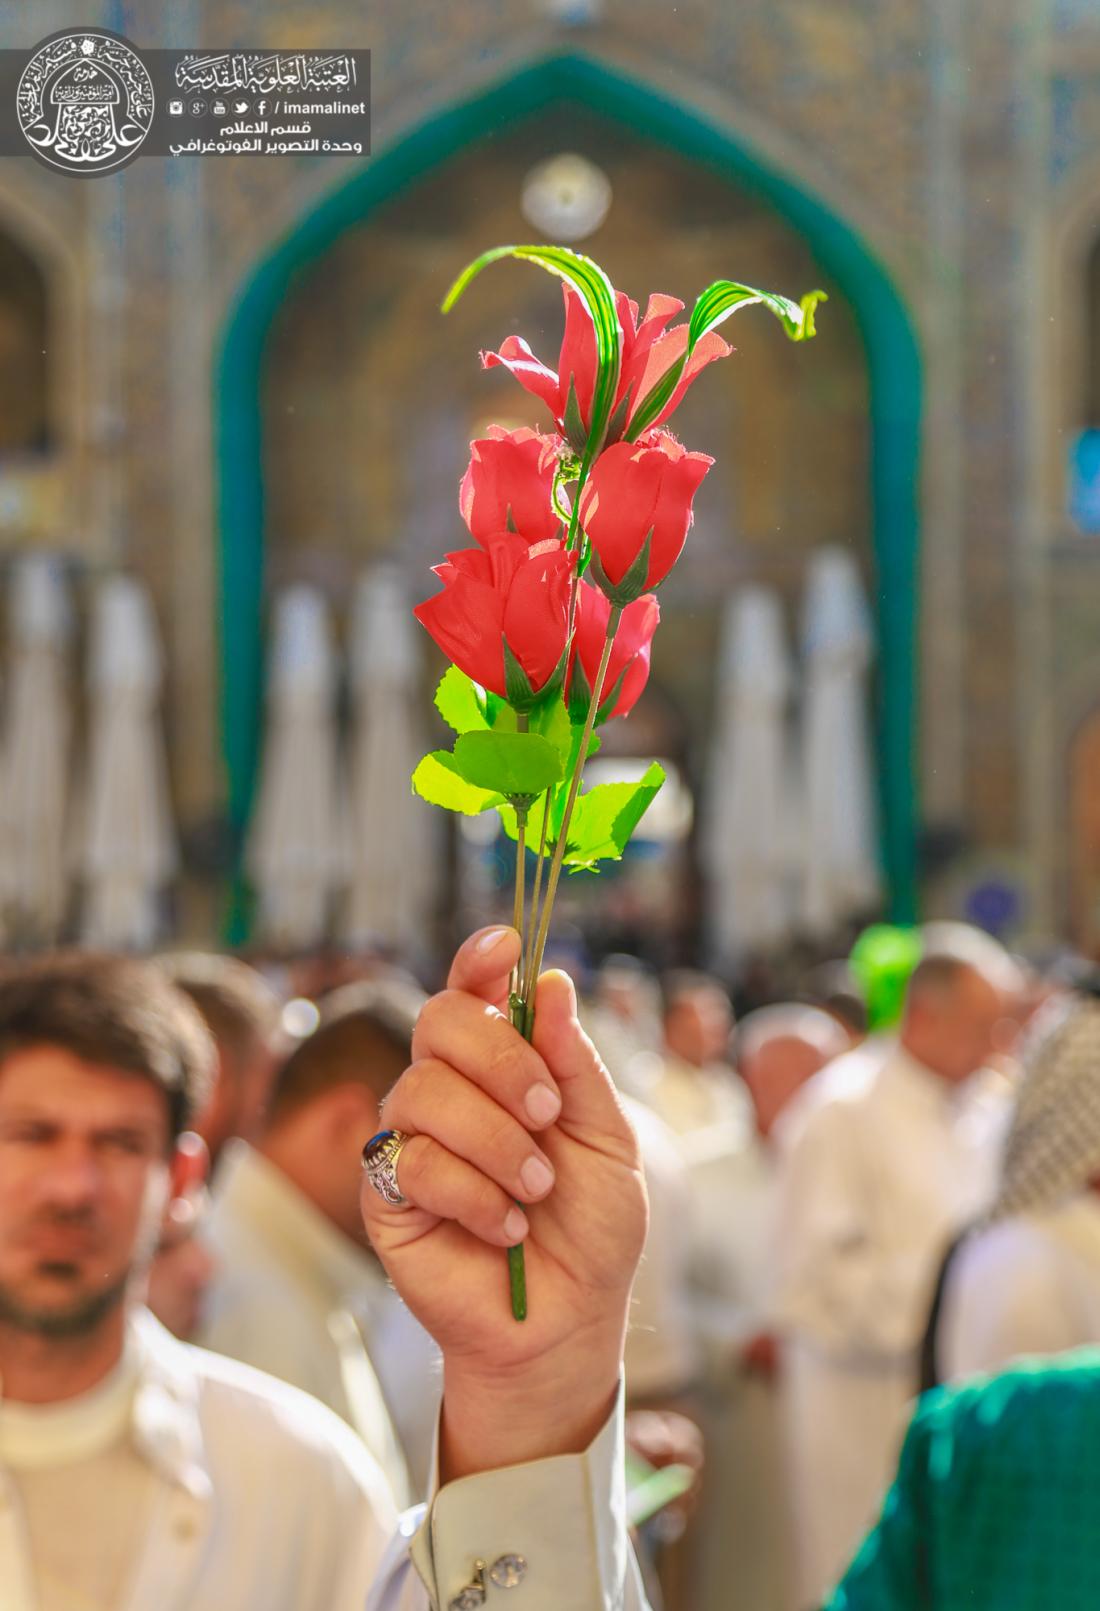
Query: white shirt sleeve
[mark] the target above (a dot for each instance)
(1003, 1299)
(552, 1531)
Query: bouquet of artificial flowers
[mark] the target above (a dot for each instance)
(549, 620)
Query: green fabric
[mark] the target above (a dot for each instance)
(996, 1506)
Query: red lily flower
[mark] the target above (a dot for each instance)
(649, 351)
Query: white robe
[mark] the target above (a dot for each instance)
(745, 1523)
(257, 1498)
(292, 1295)
(690, 1099)
(882, 1163)
(661, 1356)
(1027, 1285)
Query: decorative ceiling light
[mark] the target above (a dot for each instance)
(566, 197)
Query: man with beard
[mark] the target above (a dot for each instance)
(137, 1471)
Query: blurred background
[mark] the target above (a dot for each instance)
(233, 419)
(233, 422)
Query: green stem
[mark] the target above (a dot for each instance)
(527, 984)
(517, 1271)
(516, 982)
(518, 898)
(517, 1282)
(574, 786)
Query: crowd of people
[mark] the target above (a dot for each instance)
(888, 1182)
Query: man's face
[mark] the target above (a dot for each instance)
(697, 1026)
(777, 1071)
(84, 1178)
(967, 1026)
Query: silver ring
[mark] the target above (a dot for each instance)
(380, 1157)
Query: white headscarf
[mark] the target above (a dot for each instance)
(1052, 1150)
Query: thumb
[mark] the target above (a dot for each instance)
(483, 963)
(588, 1096)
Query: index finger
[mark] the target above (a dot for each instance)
(483, 964)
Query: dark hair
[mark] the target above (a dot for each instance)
(937, 975)
(364, 1037)
(120, 1012)
(239, 1007)
(833, 987)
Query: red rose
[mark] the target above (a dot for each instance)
(649, 351)
(511, 474)
(627, 670)
(509, 591)
(635, 491)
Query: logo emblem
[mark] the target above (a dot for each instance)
(85, 102)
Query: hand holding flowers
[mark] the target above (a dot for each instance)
(549, 620)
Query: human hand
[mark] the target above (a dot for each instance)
(513, 1391)
(666, 1438)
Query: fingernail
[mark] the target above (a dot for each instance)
(537, 1177)
(490, 939)
(542, 1103)
(515, 1225)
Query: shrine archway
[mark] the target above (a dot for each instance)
(885, 328)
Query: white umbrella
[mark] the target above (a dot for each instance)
(126, 846)
(841, 876)
(391, 834)
(294, 855)
(35, 754)
(746, 836)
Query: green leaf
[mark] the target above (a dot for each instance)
(521, 696)
(552, 722)
(580, 696)
(557, 804)
(604, 818)
(500, 713)
(508, 763)
(558, 797)
(461, 702)
(516, 682)
(597, 296)
(712, 308)
(617, 423)
(438, 780)
(572, 423)
(724, 297)
(634, 579)
(611, 697)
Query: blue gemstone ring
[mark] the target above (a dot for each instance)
(380, 1157)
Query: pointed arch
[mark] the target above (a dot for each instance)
(885, 327)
